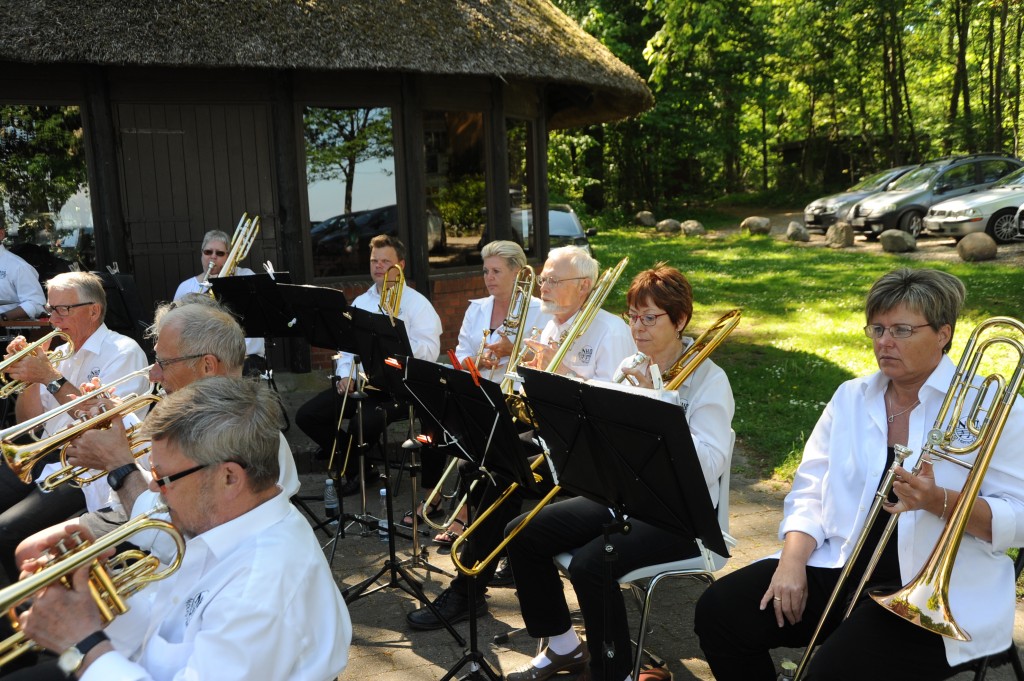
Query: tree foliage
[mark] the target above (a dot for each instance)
(778, 94)
(337, 140)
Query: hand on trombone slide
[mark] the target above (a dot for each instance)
(493, 352)
(915, 491)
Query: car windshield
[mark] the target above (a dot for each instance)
(915, 179)
(1014, 180)
(561, 223)
(876, 181)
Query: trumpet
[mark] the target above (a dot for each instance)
(77, 476)
(22, 458)
(924, 601)
(391, 290)
(10, 387)
(111, 582)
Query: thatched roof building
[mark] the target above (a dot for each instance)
(193, 111)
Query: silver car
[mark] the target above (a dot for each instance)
(823, 213)
(991, 211)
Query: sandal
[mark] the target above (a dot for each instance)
(434, 510)
(651, 672)
(448, 537)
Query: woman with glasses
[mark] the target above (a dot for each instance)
(660, 305)
(778, 602)
(216, 246)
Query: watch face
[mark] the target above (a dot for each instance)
(70, 660)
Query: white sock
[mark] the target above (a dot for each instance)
(562, 644)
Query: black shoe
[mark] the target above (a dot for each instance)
(453, 605)
(503, 575)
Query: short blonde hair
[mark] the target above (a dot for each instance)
(509, 250)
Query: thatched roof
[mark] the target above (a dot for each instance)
(511, 39)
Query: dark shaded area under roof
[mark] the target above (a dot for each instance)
(515, 40)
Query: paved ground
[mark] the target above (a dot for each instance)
(384, 649)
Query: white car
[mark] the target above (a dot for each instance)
(993, 210)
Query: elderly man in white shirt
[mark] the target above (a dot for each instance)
(21, 296)
(318, 418)
(77, 306)
(253, 598)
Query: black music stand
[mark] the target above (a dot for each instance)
(640, 460)
(262, 312)
(472, 414)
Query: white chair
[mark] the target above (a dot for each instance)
(700, 567)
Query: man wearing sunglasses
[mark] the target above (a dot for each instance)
(77, 306)
(216, 246)
(253, 595)
(21, 296)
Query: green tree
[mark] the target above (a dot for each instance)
(337, 140)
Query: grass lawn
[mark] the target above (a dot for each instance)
(800, 335)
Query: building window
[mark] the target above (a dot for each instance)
(350, 174)
(44, 189)
(456, 186)
(520, 194)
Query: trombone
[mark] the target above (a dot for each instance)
(22, 458)
(10, 387)
(241, 242)
(924, 601)
(584, 318)
(111, 581)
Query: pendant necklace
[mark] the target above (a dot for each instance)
(893, 416)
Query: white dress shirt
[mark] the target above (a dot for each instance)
(422, 325)
(254, 598)
(253, 346)
(598, 352)
(478, 319)
(19, 285)
(707, 401)
(837, 479)
(106, 355)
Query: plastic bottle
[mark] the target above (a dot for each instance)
(331, 509)
(382, 518)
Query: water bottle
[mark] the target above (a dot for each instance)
(382, 518)
(330, 501)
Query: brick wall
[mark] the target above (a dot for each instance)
(449, 296)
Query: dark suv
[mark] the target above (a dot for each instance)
(904, 205)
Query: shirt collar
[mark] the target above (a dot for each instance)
(936, 384)
(94, 342)
(224, 538)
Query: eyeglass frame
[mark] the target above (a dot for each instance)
(555, 281)
(211, 251)
(869, 330)
(164, 363)
(50, 309)
(642, 318)
(162, 482)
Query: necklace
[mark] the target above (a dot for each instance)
(892, 417)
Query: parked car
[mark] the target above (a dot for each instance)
(565, 228)
(991, 211)
(351, 232)
(823, 213)
(904, 205)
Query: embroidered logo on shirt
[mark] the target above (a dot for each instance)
(3, 274)
(192, 605)
(94, 373)
(962, 435)
(585, 355)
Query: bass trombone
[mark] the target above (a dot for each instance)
(111, 582)
(982, 406)
(8, 386)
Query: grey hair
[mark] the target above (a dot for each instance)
(936, 295)
(87, 285)
(205, 328)
(221, 419)
(215, 235)
(509, 250)
(582, 263)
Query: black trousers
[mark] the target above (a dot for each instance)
(736, 635)
(577, 525)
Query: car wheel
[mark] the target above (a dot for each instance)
(1001, 227)
(911, 222)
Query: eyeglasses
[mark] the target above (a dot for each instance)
(168, 479)
(210, 251)
(553, 282)
(164, 363)
(63, 310)
(895, 331)
(645, 319)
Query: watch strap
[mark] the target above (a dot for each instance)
(91, 641)
(116, 477)
(55, 385)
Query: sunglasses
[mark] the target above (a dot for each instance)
(210, 251)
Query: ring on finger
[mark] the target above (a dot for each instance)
(777, 598)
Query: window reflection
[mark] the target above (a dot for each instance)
(44, 191)
(519, 170)
(350, 171)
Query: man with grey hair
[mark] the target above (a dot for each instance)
(21, 296)
(77, 306)
(253, 594)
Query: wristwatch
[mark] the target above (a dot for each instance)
(116, 477)
(53, 386)
(71, 659)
